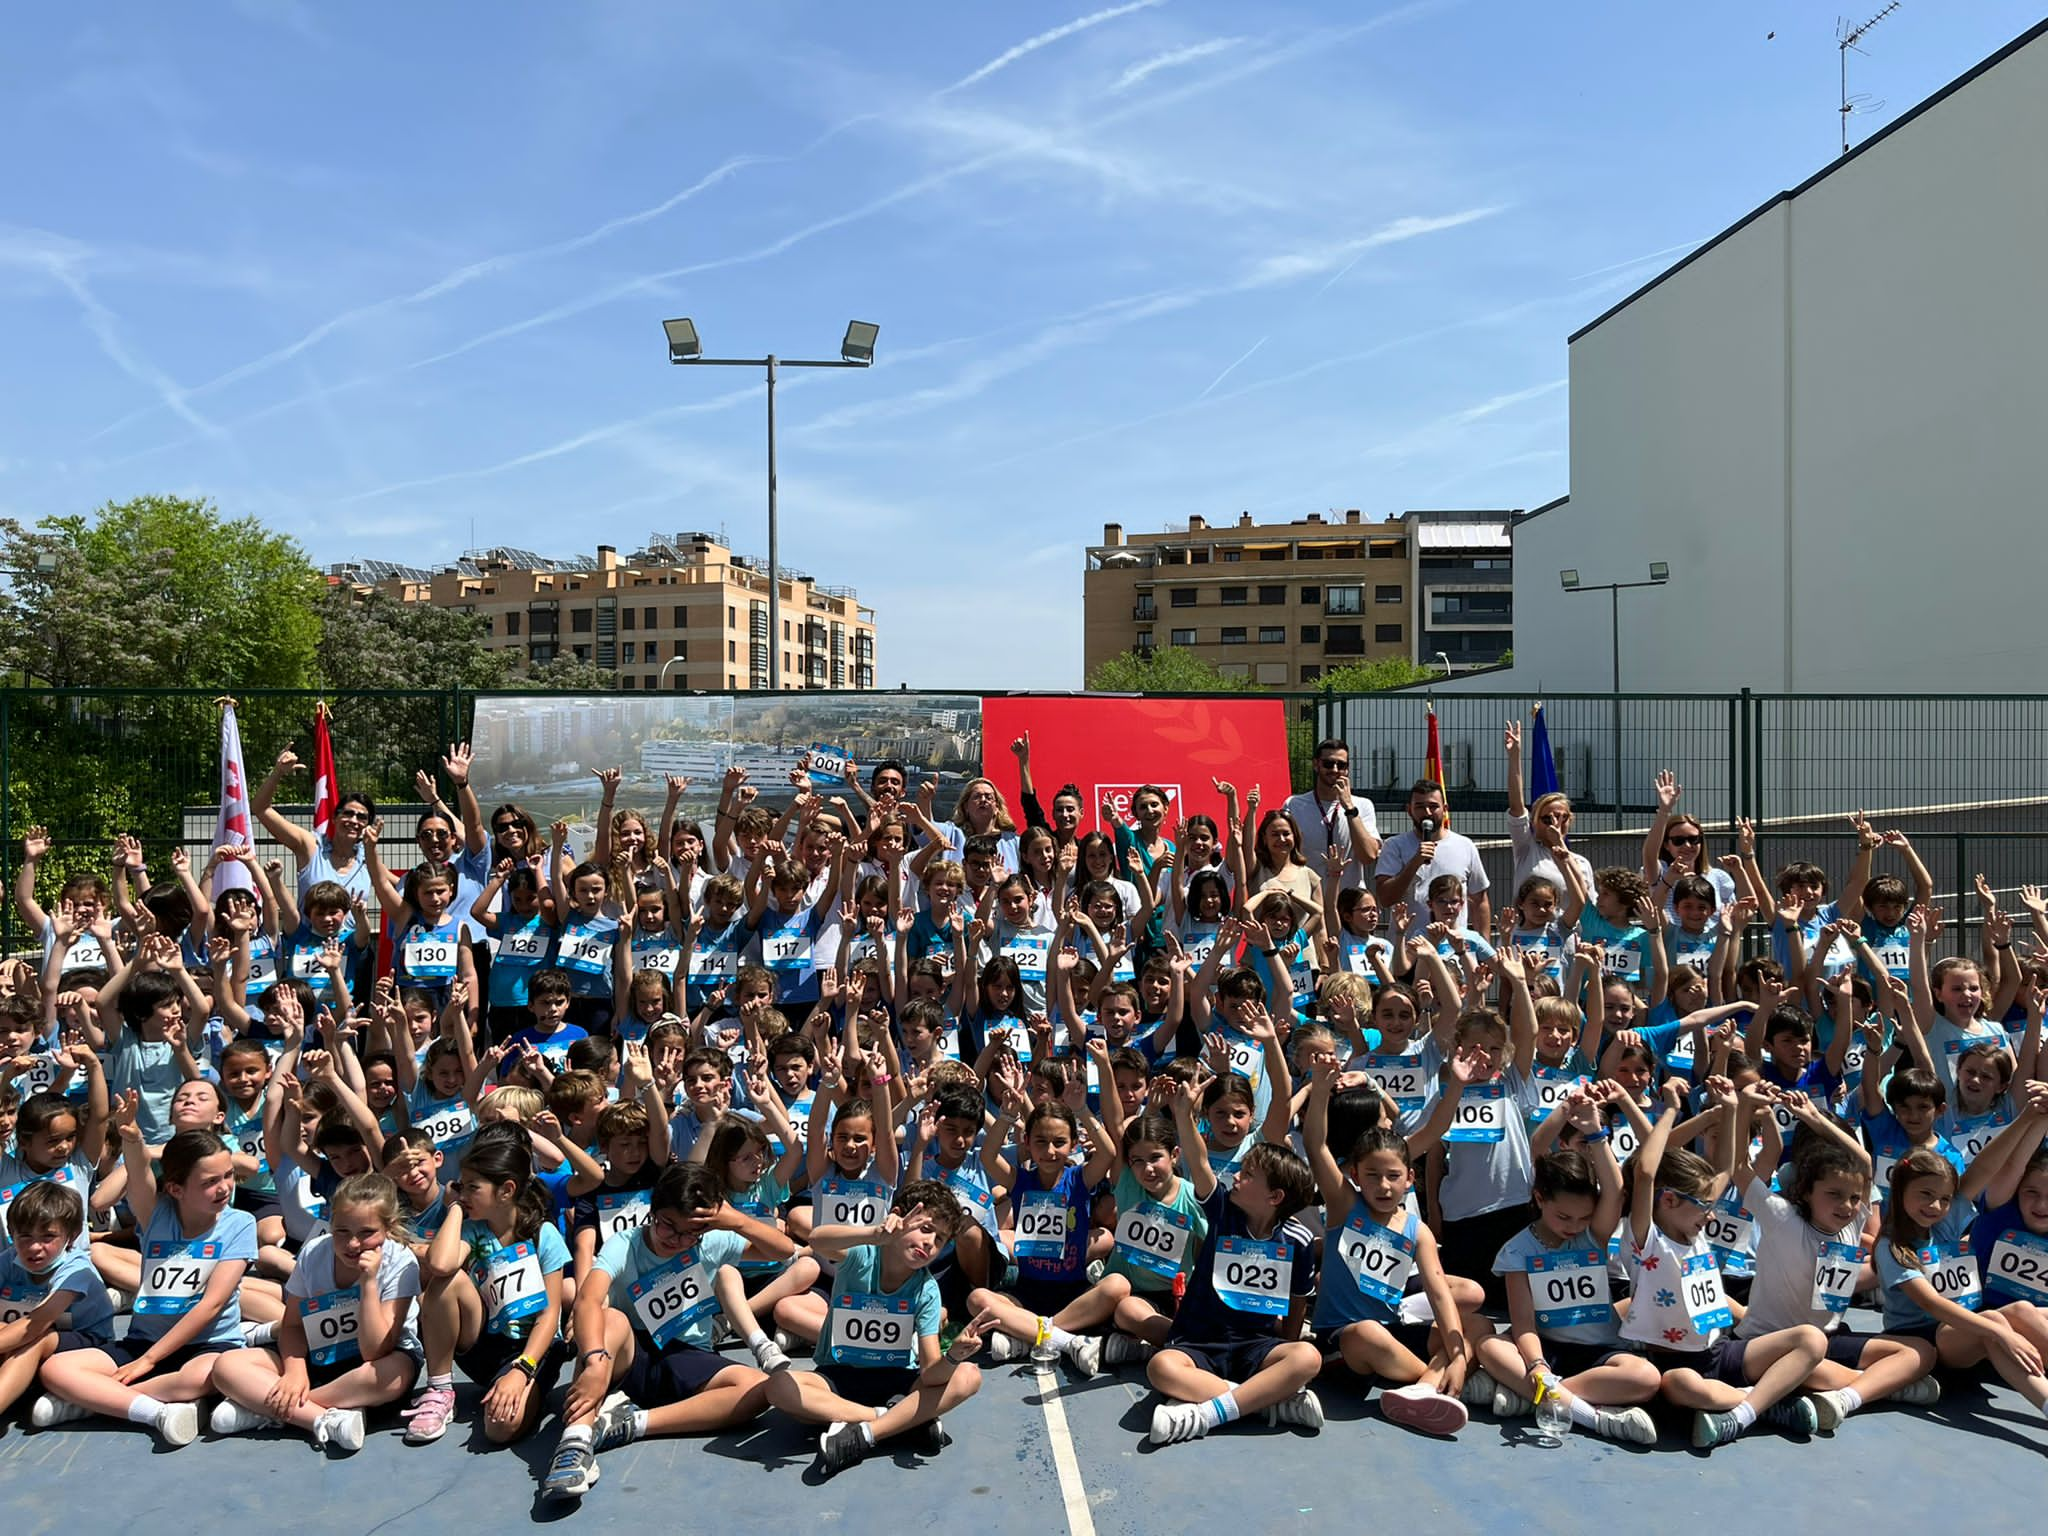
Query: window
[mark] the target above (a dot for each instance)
(1344, 640)
(682, 648)
(1183, 637)
(1234, 669)
(1311, 595)
(625, 682)
(732, 650)
(1311, 633)
(785, 629)
(1273, 634)
(1230, 556)
(1183, 597)
(541, 654)
(1273, 674)
(627, 647)
(646, 619)
(511, 623)
(579, 621)
(1235, 597)
(679, 682)
(582, 652)
(1268, 596)
(1343, 600)
(732, 617)
(626, 619)
(653, 681)
(1386, 634)
(682, 617)
(1234, 636)
(1386, 594)
(1144, 639)
(1311, 672)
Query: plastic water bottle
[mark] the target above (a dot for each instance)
(1553, 1417)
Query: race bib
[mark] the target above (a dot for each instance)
(661, 958)
(588, 950)
(1154, 1238)
(512, 1287)
(1681, 1056)
(874, 1332)
(1042, 1225)
(618, 1212)
(1952, 1271)
(1972, 1137)
(788, 949)
(1731, 1231)
(428, 958)
(712, 966)
(669, 1300)
(1621, 1136)
(174, 1276)
(1570, 1290)
(1400, 1078)
(851, 1203)
(1247, 1057)
(975, 1196)
(41, 1077)
(524, 946)
(1553, 1085)
(333, 1323)
(1704, 1303)
(18, 1301)
(1027, 952)
(1251, 1276)
(450, 1122)
(1380, 1260)
(262, 969)
(1834, 1276)
(2019, 1266)
(1481, 1115)
(1198, 944)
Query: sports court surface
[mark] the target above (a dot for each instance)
(1077, 1463)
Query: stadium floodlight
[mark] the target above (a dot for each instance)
(683, 345)
(1570, 580)
(859, 345)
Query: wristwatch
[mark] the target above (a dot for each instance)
(1351, 812)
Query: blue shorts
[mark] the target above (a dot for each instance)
(1237, 1361)
(659, 1377)
(129, 1350)
(867, 1385)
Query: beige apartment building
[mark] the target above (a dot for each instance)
(684, 612)
(1281, 603)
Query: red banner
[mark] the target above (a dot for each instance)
(1107, 747)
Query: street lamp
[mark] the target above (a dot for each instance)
(661, 680)
(1440, 656)
(1660, 573)
(856, 350)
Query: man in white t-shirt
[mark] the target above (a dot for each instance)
(1330, 819)
(1410, 860)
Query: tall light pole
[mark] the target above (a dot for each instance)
(1660, 573)
(857, 350)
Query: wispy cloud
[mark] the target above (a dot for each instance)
(1311, 260)
(1145, 69)
(1046, 39)
(1439, 429)
(64, 265)
(1636, 261)
(1239, 362)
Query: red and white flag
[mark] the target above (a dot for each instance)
(232, 830)
(324, 793)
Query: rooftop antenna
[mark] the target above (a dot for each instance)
(1846, 39)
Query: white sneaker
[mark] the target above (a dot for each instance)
(123, 1301)
(770, 1356)
(1924, 1393)
(179, 1424)
(1508, 1404)
(1633, 1425)
(1002, 1347)
(1423, 1409)
(1122, 1349)
(340, 1429)
(50, 1411)
(1828, 1410)
(257, 1335)
(231, 1418)
(1172, 1422)
(1304, 1410)
(1085, 1355)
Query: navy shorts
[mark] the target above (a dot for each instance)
(129, 1350)
(869, 1386)
(492, 1355)
(319, 1375)
(1046, 1297)
(1413, 1337)
(1235, 1361)
(1569, 1359)
(1720, 1361)
(259, 1203)
(659, 1377)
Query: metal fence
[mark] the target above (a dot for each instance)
(1960, 774)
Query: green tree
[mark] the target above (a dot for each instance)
(1170, 669)
(156, 592)
(375, 642)
(1375, 676)
(565, 674)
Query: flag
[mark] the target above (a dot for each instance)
(324, 800)
(1542, 764)
(1433, 761)
(232, 829)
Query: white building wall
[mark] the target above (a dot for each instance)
(1833, 424)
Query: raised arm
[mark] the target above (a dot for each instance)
(301, 840)
(1668, 791)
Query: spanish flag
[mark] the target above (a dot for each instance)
(1433, 761)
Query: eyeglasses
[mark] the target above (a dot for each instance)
(668, 1231)
(1694, 1200)
(351, 816)
(1683, 839)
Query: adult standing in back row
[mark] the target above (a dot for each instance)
(1332, 823)
(1410, 860)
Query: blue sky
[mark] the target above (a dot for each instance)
(391, 277)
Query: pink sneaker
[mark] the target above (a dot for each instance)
(1422, 1408)
(427, 1418)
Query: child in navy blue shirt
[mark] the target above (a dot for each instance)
(1235, 1346)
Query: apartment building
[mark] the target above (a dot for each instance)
(1282, 603)
(682, 612)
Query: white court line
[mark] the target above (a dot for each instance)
(1080, 1518)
